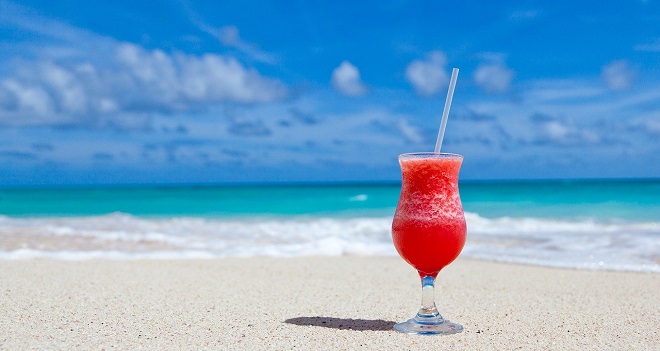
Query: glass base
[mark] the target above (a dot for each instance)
(428, 326)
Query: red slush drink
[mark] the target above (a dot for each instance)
(429, 227)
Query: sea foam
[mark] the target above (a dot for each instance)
(584, 243)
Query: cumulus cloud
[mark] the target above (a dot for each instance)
(563, 133)
(132, 80)
(196, 79)
(346, 80)
(493, 76)
(428, 76)
(559, 115)
(618, 75)
(75, 77)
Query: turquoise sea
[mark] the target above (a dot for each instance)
(581, 224)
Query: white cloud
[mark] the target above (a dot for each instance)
(346, 80)
(130, 80)
(493, 76)
(21, 97)
(428, 76)
(557, 130)
(568, 90)
(410, 132)
(652, 126)
(566, 133)
(229, 36)
(618, 75)
(183, 79)
(649, 124)
(76, 77)
(561, 115)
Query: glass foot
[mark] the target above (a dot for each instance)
(428, 326)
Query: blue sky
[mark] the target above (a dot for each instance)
(104, 92)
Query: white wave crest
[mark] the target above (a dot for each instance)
(588, 243)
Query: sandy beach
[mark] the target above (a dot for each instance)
(318, 303)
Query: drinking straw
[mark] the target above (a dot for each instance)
(445, 112)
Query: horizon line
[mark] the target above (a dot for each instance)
(312, 183)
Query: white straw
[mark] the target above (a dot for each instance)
(445, 112)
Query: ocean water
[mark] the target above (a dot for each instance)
(612, 225)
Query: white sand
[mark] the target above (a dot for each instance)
(318, 303)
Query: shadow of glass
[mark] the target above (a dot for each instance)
(343, 323)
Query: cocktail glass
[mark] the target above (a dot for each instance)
(429, 229)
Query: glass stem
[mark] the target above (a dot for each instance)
(428, 309)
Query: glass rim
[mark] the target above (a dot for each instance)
(429, 154)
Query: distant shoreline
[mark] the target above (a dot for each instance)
(320, 183)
